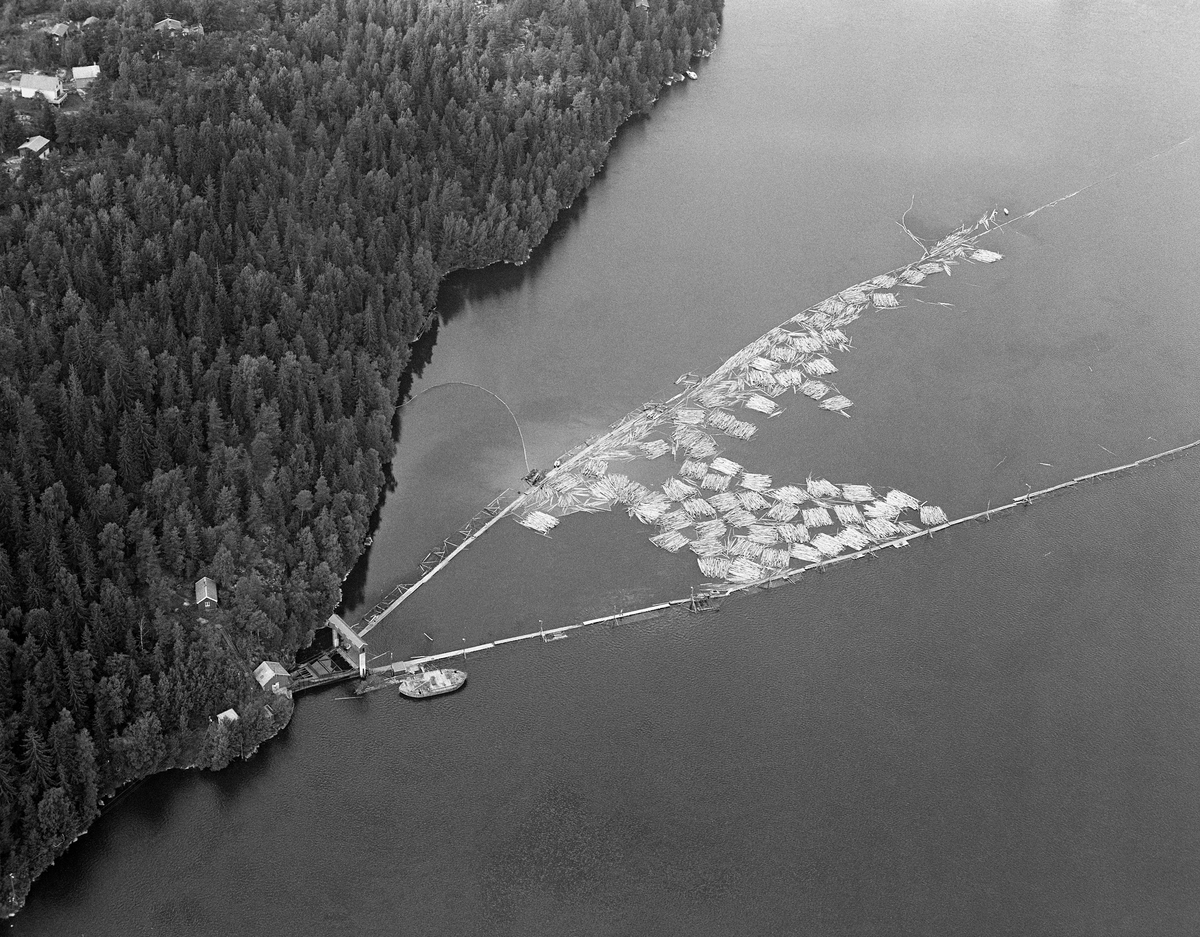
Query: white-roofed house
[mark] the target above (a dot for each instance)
(58, 31)
(272, 675)
(37, 146)
(228, 717)
(49, 87)
(169, 25)
(206, 592)
(83, 76)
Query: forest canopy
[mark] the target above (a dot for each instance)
(207, 296)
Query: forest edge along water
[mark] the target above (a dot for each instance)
(233, 428)
(988, 731)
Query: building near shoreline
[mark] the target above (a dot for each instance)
(272, 675)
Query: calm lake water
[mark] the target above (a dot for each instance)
(996, 731)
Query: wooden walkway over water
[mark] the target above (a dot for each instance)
(337, 665)
(437, 559)
(710, 596)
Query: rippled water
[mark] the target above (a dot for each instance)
(993, 732)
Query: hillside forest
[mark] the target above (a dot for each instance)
(208, 293)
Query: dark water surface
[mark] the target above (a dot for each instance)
(997, 731)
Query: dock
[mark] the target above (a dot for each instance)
(710, 597)
(346, 659)
(693, 603)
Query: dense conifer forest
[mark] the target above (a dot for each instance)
(207, 296)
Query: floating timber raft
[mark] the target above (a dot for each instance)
(709, 597)
(720, 590)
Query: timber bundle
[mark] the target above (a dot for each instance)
(746, 529)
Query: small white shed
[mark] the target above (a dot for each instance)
(206, 592)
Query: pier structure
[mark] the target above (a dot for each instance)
(436, 559)
(347, 657)
(711, 596)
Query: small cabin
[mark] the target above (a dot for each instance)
(206, 593)
(83, 76)
(272, 675)
(35, 146)
(228, 717)
(168, 25)
(58, 31)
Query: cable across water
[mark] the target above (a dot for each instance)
(524, 451)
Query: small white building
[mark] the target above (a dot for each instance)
(91, 21)
(49, 87)
(37, 146)
(168, 25)
(272, 675)
(228, 717)
(58, 31)
(206, 593)
(83, 76)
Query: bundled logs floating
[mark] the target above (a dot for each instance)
(744, 528)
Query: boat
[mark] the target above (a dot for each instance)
(691, 74)
(424, 683)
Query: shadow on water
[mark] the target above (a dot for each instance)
(455, 291)
(461, 287)
(142, 812)
(464, 443)
(421, 354)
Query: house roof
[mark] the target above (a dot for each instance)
(268, 670)
(91, 20)
(230, 715)
(84, 72)
(168, 23)
(41, 82)
(58, 30)
(35, 145)
(205, 589)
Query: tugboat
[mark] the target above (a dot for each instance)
(425, 683)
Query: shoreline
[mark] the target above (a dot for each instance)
(196, 741)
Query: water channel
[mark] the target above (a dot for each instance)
(994, 731)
